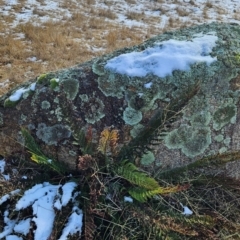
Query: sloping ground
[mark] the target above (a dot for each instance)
(41, 36)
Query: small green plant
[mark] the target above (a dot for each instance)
(38, 157)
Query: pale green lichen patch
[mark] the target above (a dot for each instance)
(70, 87)
(224, 115)
(93, 108)
(136, 130)
(192, 141)
(227, 141)
(132, 116)
(52, 135)
(45, 104)
(147, 158)
(219, 138)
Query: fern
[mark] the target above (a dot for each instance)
(147, 187)
(143, 194)
(213, 160)
(131, 173)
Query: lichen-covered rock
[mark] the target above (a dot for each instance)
(97, 96)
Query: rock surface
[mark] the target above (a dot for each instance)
(93, 96)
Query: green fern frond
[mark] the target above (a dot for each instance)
(130, 172)
(37, 155)
(142, 194)
(30, 142)
(52, 164)
(209, 161)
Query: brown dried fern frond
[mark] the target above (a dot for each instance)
(108, 141)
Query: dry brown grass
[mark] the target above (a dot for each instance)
(209, 4)
(130, 1)
(78, 38)
(111, 38)
(106, 13)
(205, 13)
(134, 15)
(182, 12)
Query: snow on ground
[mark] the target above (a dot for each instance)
(43, 199)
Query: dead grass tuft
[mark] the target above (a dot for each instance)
(182, 12)
(134, 15)
(106, 13)
(130, 1)
(111, 38)
(209, 4)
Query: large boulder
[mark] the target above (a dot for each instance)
(125, 89)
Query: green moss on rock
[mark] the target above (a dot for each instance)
(54, 83)
(9, 104)
(45, 78)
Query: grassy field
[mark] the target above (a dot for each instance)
(40, 36)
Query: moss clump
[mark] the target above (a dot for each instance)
(70, 87)
(147, 158)
(224, 115)
(9, 104)
(45, 78)
(132, 116)
(54, 83)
